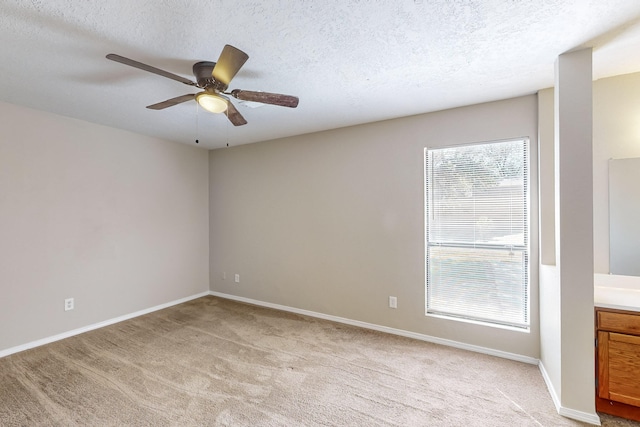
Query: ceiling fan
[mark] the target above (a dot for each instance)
(214, 79)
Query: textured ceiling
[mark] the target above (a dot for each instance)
(349, 61)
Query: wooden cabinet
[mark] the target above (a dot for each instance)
(618, 362)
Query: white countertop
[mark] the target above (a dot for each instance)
(619, 292)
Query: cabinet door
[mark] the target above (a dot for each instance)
(619, 367)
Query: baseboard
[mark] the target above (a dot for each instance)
(566, 412)
(394, 331)
(58, 337)
(580, 416)
(550, 387)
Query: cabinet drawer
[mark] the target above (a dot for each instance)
(619, 322)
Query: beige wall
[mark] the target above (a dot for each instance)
(333, 222)
(115, 220)
(549, 280)
(616, 135)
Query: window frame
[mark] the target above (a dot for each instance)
(526, 248)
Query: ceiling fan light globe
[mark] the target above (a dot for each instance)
(212, 102)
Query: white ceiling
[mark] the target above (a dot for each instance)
(349, 61)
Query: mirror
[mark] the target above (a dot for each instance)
(624, 216)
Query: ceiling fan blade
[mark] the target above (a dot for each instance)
(149, 68)
(229, 63)
(266, 98)
(234, 115)
(171, 102)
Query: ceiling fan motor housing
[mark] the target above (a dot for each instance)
(202, 72)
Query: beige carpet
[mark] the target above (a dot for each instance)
(214, 362)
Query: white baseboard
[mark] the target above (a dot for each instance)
(401, 332)
(566, 412)
(38, 343)
(580, 415)
(552, 390)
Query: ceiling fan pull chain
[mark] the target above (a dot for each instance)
(197, 122)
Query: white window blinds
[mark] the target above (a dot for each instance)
(476, 217)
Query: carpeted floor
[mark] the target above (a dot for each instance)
(214, 362)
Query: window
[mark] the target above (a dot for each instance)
(476, 226)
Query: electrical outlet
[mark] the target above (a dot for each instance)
(68, 304)
(237, 278)
(393, 302)
(224, 275)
